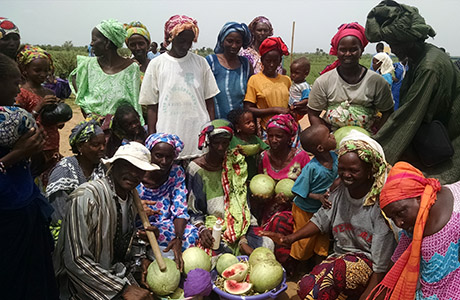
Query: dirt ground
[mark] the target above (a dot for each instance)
(290, 293)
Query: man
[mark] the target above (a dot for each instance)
(98, 229)
(153, 51)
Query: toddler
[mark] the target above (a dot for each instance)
(311, 188)
(300, 89)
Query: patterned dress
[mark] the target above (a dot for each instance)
(439, 266)
(171, 200)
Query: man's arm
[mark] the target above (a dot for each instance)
(152, 117)
(210, 108)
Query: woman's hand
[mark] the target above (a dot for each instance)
(30, 143)
(48, 99)
(148, 210)
(206, 238)
(176, 246)
(278, 238)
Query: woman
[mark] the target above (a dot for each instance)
(166, 186)
(426, 258)
(9, 38)
(230, 70)
(178, 88)
(268, 92)
(24, 233)
(138, 41)
(217, 189)
(280, 161)
(350, 95)
(363, 242)
(260, 29)
(430, 93)
(103, 82)
(88, 144)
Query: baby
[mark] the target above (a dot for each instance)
(14, 122)
(300, 89)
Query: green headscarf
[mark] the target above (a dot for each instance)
(114, 31)
(392, 22)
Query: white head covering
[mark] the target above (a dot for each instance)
(387, 63)
(135, 153)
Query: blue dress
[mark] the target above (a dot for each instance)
(171, 201)
(232, 85)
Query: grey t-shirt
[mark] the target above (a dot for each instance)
(357, 228)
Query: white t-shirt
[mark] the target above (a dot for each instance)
(180, 87)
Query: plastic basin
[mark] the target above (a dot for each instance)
(270, 294)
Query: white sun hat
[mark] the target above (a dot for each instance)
(136, 153)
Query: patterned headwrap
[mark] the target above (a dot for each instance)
(273, 43)
(257, 20)
(405, 182)
(369, 151)
(170, 139)
(83, 132)
(228, 28)
(136, 27)
(30, 53)
(178, 23)
(218, 126)
(14, 122)
(285, 122)
(392, 22)
(7, 27)
(347, 29)
(387, 63)
(113, 30)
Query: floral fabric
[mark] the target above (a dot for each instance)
(171, 200)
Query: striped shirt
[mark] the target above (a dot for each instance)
(84, 254)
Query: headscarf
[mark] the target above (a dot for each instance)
(392, 22)
(253, 24)
(7, 27)
(170, 139)
(387, 63)
(285, 122)
(273, 43)
(14, 122)
(228, 28)
(218, 126)
(114, 31)
(347, 29)
(136, 27)
(30, 53)
(405, 182)
(369, 151)
(83, 132)
(178, 23)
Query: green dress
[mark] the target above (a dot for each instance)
(101, 93)
(430, 91)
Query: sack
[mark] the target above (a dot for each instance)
(56, 113)
(432, 144)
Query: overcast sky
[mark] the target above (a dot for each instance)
(54, 22)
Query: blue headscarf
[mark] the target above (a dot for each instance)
(228, 28)
(170, 139)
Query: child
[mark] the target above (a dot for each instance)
(311, 188)
(35, 65)
(245, 134)
(300, 89)
(267, 93)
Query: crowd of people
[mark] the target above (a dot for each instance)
(375, 215)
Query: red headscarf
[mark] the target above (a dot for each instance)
(273, 43)
(347, 29)
(405, 182)
(285, 122)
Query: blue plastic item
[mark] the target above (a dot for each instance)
(270, 294)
